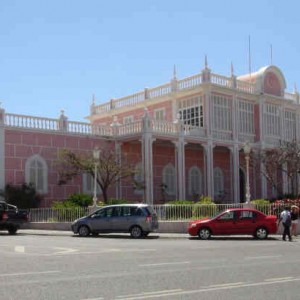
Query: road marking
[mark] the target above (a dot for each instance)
(64, 250)
(209, 289)
(226, 284)
(20, 249)
(29, 273)
(279, 279)
(101, 298)
(148, 293)
(164, 264)
(263, 257)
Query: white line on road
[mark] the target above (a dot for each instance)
(263, 257)
(148, 293)
(226, 284)
(20, 249)
(210, 289)
(279, 279)
(29, 273)
(64, 250)
(164, 264)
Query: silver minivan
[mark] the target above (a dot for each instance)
(137, 219)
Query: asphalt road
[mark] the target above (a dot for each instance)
(48, 265)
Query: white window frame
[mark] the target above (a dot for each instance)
(37, 159)
(246, 117)
(169, 179)
(222, 113)
(271, 120)
(191, 111)
(159, 114)
(138, 177)
(128, 120)
(195, 181)
(290, 125)
(88, 185)
(218, 182)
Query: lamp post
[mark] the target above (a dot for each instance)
(96, 154)
(247, 150)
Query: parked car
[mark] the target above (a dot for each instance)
(137, 219)
(239, 221)
(11, 218)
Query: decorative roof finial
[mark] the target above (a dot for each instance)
(174, 72)
(231, 70)
(295, 88)
(62, 111)
(206, 64)
(94, 99)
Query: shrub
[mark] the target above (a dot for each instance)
(204, 208)
(24, 196)
(82, 200)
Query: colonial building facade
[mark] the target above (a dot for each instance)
(186, 138)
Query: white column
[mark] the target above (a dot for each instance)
(235, 119)
(2, 149)
(180, 169)
(147, 156)
(209, 168)
(235, 171)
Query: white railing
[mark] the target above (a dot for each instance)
(164, 127)
(159, 91)
(190, 82)
(13, 120)
(221, 80)
(164, 212)
(245, 86)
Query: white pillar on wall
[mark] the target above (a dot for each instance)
(180, 169)
(2, 149)
(147, 157)
(235, 171)
(209, 169)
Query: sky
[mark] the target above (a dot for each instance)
(54, 55)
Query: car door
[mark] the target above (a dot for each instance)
(102, 220)
(246, 222)
(126, 218)
(225, 224)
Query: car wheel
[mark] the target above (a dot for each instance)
(204, 233)
(12, 230)
(261, 233)
(83, 230)
(136, 232)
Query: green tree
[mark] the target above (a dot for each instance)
(109, 169)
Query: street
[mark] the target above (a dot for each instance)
(38, 266)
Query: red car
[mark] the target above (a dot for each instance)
(237, 221)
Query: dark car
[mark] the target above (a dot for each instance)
(137, 219)
(239, 221)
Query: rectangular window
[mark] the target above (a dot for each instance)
(128, 119)
(246, 117)
(159, 114)
(222, 115)
(191, 111)
(290, 125)
(272, 120)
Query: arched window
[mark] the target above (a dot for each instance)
(169, 179)
(218, 182)
(138, 179)
(195, 181)
(36, 173)
(88, 184)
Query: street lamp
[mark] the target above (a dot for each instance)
(247, 150)
(96, 154)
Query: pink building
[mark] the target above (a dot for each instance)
(186, 138)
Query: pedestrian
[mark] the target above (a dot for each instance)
(285, 218)
(294, 217)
